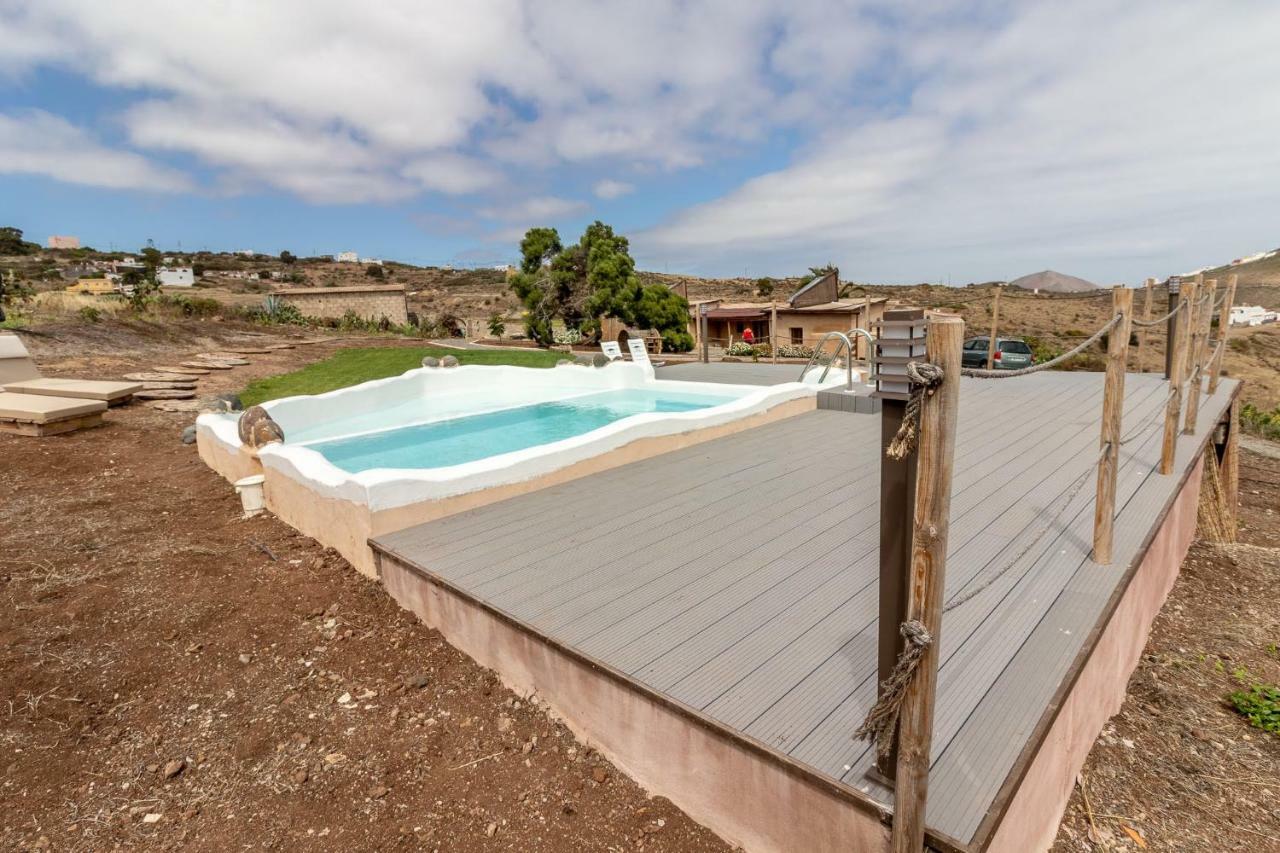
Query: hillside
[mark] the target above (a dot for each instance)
(1258, 282)
(1048, 281)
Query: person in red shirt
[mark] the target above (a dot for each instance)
(748, 337)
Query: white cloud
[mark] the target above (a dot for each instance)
(609, 188)
(452, 174)
(1073, 136)
(401, 90)
(35, 142)
(538, 210)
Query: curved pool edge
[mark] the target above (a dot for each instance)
(344, 510)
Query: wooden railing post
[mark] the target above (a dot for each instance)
(1144, 331)
(1177, 366)
(773, 330)
(1104, 508)
(1224, 332)
(995, 323)
(1199, 345)
(901, 338)
(936, 459)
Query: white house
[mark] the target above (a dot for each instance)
(377, 262)
(1251, 315)
(176, 276)
(347, 258)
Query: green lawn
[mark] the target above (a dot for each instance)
(353, 366)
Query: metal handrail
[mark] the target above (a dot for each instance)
(848, 362)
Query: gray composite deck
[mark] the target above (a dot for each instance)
(739, 576)
(741, 373)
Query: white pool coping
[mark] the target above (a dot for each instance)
(507, 387)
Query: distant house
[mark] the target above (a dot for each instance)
(248, 253)
(1251, 315)
(176, 276)
(803, 319)
(347, 258)
(376, 262)
(63, 242)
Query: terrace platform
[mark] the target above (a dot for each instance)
(707, 617)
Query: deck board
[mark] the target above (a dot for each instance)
(739, 576)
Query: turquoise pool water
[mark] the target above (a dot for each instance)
(466, 439)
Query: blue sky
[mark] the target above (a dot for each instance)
(907, 141)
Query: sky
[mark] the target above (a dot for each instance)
(905, 141)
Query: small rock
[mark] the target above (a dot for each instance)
(152, 768)
(418, 681)
(244, 658)
(491, 830)
(300, 776)
(504, 723)
(344, 699)
(599, 360)
(379, 792)
(430, 361)
(189, 435)
(527, 748)
(599, 774)
(151, 818)
(174, 767)
(449, 361)
(564, 362)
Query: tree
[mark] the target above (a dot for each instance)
(497, 328)
(374, 271)
(592, 279)
(764, 287)
(11, 242)
(287, 257)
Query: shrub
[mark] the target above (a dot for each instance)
(1239, 344)
(795, 351)
(741, 348)
(1261, 422)
(90, 314)
(1260, 705)
(568, 336)
(276, 312)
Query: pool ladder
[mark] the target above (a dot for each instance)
(846, 344)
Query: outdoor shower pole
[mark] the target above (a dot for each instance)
(902, 331)
(1171, 331)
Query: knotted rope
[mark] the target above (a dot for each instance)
(924, 377)
(881, 722)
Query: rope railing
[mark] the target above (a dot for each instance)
(982, 373)
(1158, 320)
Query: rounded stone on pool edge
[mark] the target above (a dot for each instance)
(562, 362)
(430, 361)
(600, 360)
(584, 360)
(449, 361)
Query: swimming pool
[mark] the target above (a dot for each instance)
(458, 440)
(389, 453)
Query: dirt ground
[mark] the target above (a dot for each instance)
(175, 677)
(1177, 768)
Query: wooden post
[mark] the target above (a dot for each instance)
(773, 330)
(1196, 359)
(936, 459)
(866, 322)
(1104, 508)
(1224, 332)
(1229, 468)
(1177, 366)
(702, 326)
(995, 321)
(1145, 330)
